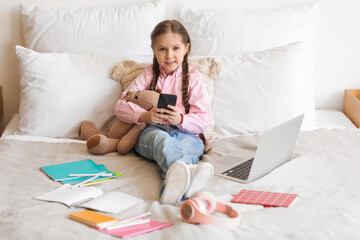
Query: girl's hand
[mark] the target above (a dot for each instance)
(173, 116)
(154, 115)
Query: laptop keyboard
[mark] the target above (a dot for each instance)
(240, 171)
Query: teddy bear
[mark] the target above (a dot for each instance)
(121, 136)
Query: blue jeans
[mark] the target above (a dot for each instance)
(167, 144)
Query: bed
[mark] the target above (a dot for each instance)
(323, 170)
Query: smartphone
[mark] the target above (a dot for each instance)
(166, 99)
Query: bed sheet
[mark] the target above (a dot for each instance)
(330, 119)
(323, 172)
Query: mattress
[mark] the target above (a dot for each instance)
(323, 172)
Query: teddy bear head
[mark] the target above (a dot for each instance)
(146, 99)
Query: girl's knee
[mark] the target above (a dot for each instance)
(154, 141)
(150, 136)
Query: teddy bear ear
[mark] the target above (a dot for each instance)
(158, 90)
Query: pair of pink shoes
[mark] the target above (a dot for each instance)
(185, 180)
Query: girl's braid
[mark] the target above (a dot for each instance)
(185, 84)
(156, 74)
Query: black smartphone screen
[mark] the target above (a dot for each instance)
(166, 99)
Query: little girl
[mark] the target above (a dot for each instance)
(171, 136)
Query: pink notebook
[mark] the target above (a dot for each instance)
(137, 229)
(267, 199)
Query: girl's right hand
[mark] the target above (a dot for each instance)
(152, 116)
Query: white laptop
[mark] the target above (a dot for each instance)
(275, 148)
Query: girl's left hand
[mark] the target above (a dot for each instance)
(173, 116)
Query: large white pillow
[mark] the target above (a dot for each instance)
(261, 89)
(231, 32)
(60, 90)
(122, 30)
(228, 32)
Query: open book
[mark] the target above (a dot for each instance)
(91, 198)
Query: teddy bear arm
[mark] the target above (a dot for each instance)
(128, 142)
(119, 129)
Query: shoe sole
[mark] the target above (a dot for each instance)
(171, 194)
(205, 172)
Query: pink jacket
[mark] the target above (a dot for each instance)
(194, 122)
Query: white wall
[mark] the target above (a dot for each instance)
(337, 45)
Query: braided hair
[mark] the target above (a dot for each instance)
(172, 26)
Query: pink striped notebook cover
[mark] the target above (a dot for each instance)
(267, 199)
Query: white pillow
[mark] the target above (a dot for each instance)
(262, 89)
(60, 90)
(232, 32)
(229, 32)
(122, 30)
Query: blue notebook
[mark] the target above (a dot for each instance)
(60, 172)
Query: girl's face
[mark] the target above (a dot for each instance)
(169, 50)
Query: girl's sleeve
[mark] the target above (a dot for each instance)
(128, 111)
(198, 117)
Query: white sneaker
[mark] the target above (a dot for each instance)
(177, 181)
(200, 174)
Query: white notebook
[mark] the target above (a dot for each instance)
(91, 198)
